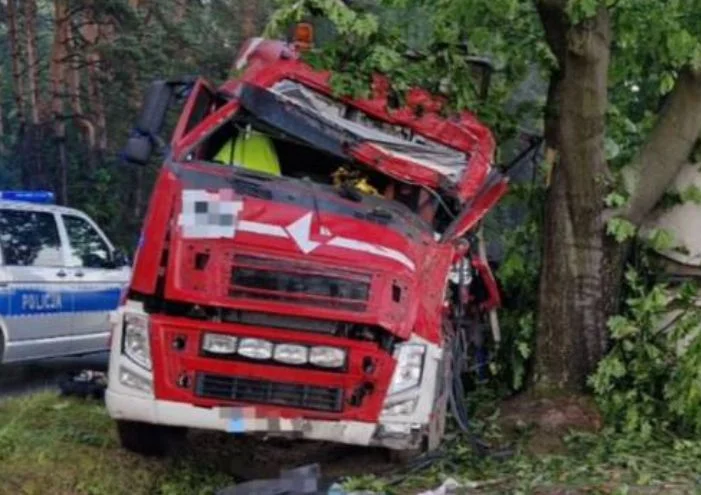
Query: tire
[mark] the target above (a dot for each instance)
(148, 439)
(402, 457)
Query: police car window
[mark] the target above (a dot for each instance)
(29, 238)
(88, 249)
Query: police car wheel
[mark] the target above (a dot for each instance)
(149, 439)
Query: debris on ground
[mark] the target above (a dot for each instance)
(448, 487)
(84, 384)
(304, 480)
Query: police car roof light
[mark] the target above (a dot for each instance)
(42, 197)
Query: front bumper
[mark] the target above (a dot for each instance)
(126, 402)
(234, 420)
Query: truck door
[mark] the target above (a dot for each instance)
(201, 103)
(96, 280)
(39, 305)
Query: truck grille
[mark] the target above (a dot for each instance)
(298, 283)
(267, 392)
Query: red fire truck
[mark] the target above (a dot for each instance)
(310, 302)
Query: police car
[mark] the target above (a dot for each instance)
(60, 278)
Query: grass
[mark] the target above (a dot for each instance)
(63, 446)
(68, 446)
(604, 463)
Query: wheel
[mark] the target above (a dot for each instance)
(149, 439)
(403, 456)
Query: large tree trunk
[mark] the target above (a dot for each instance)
(73, 80)
(17, 58)
(30, 20)
(180, 10)
(581, 277)
(2, 125)
(93, 34)
(58, 84)
(249, 17)
(572, 305)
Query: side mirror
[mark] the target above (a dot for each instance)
(148, 126)
(138, 149)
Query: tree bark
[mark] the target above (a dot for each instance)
(667, 149)
(58, 85)
(73, 80)
(30, 22)
(17, 57)
(180, 10)
(2, 125)
(572, 309)
(249, 17)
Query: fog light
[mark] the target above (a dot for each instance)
(256, 348)
(397, 430)
(291, 354)
(217, 343)
(132, 380)
(327, 357)
(402, 408)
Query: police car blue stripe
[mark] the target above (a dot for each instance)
(104, 300)
(29, 302)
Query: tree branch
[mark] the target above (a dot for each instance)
(667, 148)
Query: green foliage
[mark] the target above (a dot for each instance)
(518, 275)
(621, 229)
(691, 194)
(148, 43)
(377, 39)
(650, 379)
(580, 10)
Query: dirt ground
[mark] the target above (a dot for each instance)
(257, 458)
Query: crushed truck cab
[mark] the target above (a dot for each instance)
(320, 297)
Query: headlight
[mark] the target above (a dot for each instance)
(410, 362)
(136, 339)
(217, 343)
(256, 348)
(327, 357)
(291, 354)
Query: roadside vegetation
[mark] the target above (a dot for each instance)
(588, 390)
(50, 444)
(63, 446)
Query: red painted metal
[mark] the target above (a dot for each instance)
(171, 365)
(164, 265)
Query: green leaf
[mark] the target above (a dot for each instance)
(524, 349)
(666, 83)
(615, 200)
(661, 239)
(621, 327)
(691, 194)
(621, 229)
